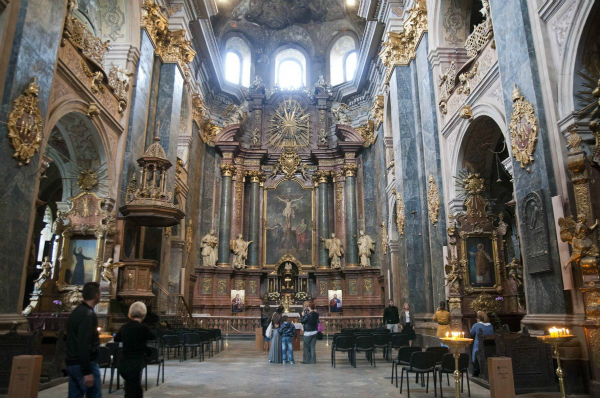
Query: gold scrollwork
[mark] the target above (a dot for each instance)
(350, 169)
(119, 86)
(228, 169)
(523, 129)
(433, 200)
(367, 132)
(289, 163)
(400, 214)
(25, 124)
(376, 112)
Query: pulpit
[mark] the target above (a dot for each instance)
(135, 280)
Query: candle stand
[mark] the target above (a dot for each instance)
(456, 345)
(555, 341)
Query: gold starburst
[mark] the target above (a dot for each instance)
(289, 126)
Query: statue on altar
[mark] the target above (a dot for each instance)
(366, 245)
(239, 247)
(334, 246)
(107, 271)
(44, 275)
(209, 244)
(288, 277)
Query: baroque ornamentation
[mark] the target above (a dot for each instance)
(384, 238)
(367, 132)
(90, 46)
(487, 303)
(376, 112)
(228, 169)
(433, 201)
(96, 77)
(474, 186)
(119, 86)
(400, 48)
(400, 214)
(341, 114)
(289, 163)
(208, 129)
(25, 124)
(465, 78)
(523, 129)
(170, 46)
(466, 112)
(584, 248)
(290, 126)
(87, 179)
(447, 84)
(482, 33)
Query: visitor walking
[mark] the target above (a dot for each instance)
(82, 346)
(275, 350)
(265, 320)
(287, 330)
(408, 323)
(310, 323)
(391, 317)
(487, 329)
(134, 335)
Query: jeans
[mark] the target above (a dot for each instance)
(287, 346)
(393, 327)
(76, 387)
(310, 356)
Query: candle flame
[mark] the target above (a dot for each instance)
(558, 332)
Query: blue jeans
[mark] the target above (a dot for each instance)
(287, 345)
(76, 387)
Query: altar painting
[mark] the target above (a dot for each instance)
(289, 222)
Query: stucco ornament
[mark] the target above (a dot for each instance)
(523, 129)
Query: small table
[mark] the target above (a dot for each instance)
(456, 345)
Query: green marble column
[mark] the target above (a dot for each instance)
(351, 250)
(323, 219)
(254, 218)
(227, 171)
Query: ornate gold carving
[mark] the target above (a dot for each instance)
(474, 185)
(170, 46)
(482, 33)
(376, 112)
(523, 129)
(447, 84)
(208, 129)
(583, 243)
(350, 169)
(228, 170)
(289, 126)
(289, 163)
(120, 87)
(25, 124)
(96, 77)
(321, 176)
(400, 214)
(339, 197)
(465, 78)
(384, 238)
(400, 48)
(487, 303)
(255, 175)
(90, 46)
(341, 114)
(87, 179)
(433, 200)
(367, 132)
(466, 112)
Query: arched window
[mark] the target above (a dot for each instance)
(290, 69)
(343, 59)
(237, 61)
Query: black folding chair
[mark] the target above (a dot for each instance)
(365, 344)
(403, 358)
(420, 363)
(447, 366)
(104, 360)
(343, 343)
(171, 342)
(193, 342)
(154, 358)
(382, 340)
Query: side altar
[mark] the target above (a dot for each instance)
(288, 216)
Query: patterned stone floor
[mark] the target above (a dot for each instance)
(241, 371)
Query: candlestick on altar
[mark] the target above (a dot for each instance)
(456, 341)
(555, 339)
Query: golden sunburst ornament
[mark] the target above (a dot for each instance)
(289, 126)
(87, 179)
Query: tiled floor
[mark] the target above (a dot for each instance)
(241, 371)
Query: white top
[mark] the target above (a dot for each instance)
(407, 314)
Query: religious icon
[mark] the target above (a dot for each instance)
(252, 286)
(221, 287)
(335, 300)
(82, 264)
(206, 285)
(353, 287)
(481, 261)
(237, 300)
(322, 288)
(368, 285)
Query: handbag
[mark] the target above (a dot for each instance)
(269, 332)
(320, 327)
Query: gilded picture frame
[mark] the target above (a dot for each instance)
(481, 260)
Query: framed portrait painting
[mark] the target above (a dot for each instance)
(335, 300)
(79, 260)
(238, 298)
(480, 256)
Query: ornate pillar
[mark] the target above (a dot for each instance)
(254, 216)
(351, 249)
(227, 171)
(321, 178)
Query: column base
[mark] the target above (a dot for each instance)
(223, 265)
(351, 266)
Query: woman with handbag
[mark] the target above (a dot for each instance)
(275, 350)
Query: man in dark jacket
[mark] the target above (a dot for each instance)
(310, 322)
(82, 346)
(391, 318)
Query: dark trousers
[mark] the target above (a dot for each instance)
(133, 381)
(310, 356)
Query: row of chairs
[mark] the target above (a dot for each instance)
(435, 360)
(353, 342)
(195, 341)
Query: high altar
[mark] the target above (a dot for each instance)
(288, 211)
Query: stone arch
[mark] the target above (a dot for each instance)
(585, 14)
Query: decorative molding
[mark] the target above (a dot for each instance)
(376, 112)
(482, 33)
(400, 48)
(25, 124)
(400, 214)
(367, 131)
(523, 129)
(433, 200)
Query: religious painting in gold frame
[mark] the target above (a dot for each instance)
(481, 261)
(289, 209)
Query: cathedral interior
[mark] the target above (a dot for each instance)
(213, 157)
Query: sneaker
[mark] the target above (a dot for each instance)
(292, 363)
(283, 362)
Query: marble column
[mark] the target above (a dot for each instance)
(254, 218)
(227, 171)
(351, 249)
(323, 216)
(36, 36)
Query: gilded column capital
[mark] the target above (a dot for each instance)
(349, 169)
(228, 170)
(256, 176)
(321, 176)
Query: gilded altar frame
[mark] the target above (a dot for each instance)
(497, 257)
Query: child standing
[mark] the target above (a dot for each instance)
(287, 331)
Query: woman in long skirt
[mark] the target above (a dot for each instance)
(275, 351)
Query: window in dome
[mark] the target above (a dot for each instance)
(237, 61)
(342, 60)
(290, 72)
(233, 67)
(350, 66)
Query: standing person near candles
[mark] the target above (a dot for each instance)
(408, 323)
(487, 329)
(442, 317)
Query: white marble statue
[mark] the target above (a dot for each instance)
(366, 245)
(239, 247)
(334, 246)
(209, 245)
